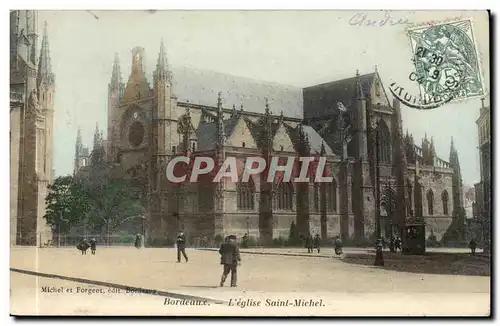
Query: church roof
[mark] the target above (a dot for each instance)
(201, 87)
(323, 98)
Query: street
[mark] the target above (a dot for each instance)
(70, 285)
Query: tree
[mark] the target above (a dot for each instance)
(112, 201)
(66, 203)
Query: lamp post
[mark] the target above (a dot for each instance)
(143, 230)
(379, 256)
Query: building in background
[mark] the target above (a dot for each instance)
(32, 95)
(82, 154)
(483, 188)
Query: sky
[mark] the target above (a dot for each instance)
(299, 48)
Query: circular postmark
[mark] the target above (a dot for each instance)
(446, 65)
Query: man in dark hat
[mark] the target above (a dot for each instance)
(230, 258)
(181, 247)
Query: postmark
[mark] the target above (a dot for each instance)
(446, 62)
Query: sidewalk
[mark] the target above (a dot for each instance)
(298, 252)
(329, 252)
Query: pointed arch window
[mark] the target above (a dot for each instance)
(245, 195)
(283, 199)
(430, 202)
(384, 146)
(331, 196)
(444, 198)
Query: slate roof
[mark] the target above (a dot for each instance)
(321, 100)
(315, 141)
(202, 86)
(206, 133)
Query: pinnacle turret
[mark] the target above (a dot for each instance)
(45, 75)
(323, 150)
(220, 120)
(359, 88)
(78, 144)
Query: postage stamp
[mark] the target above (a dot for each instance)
(446, 61)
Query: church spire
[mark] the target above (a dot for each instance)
(162, 65)
(116, 76)
(45, 75)
(97, 135)
(78, 144)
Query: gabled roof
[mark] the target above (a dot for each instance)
(315, 141)
(206, 132)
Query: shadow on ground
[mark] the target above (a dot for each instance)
(430, 263)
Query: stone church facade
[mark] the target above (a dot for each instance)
(199, 113)
(32, 94)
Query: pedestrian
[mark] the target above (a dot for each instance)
(397, 244)
(230, 258)
(83, 246)
(391, 245)
(181, 247)
(93, 245)
(472, 246)
(137, 242)
(244, 243)
(338, 246)
(309, 243)
(317, 242)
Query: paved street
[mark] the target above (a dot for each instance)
(346, 289)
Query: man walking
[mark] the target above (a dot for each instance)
(317, 242)
(230, 258)
(472, 246)
(338, 246)
(309, 243)
(93, 245)
(181, 247)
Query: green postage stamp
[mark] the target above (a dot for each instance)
(446, 61)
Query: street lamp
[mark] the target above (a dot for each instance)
(143, 230)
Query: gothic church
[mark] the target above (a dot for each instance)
(194, 112)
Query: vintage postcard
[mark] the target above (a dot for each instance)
(250, 163)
